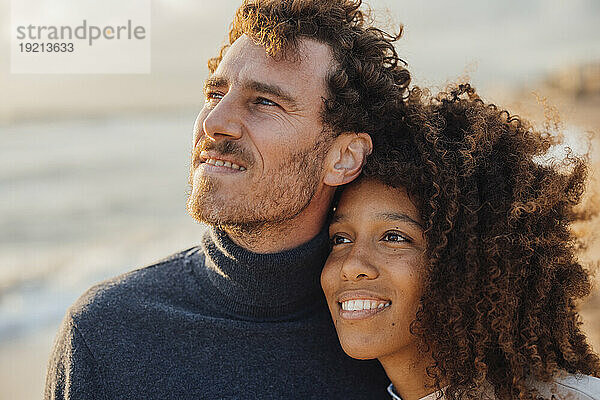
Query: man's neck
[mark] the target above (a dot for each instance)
(275, 237)
(272, 238)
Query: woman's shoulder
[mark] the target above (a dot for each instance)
(564, 386)
(570, 386)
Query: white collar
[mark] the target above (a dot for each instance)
(392, 392)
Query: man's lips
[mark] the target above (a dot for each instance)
(220, 161)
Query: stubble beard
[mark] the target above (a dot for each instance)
(270, 201)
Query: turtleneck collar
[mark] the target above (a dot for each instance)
(275, 286)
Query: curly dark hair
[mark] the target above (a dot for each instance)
(369, 79)
(503, 278)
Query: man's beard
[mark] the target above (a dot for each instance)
(271, 200)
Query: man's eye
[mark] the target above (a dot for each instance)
(265, 102)
(338, 239)
(394, 237)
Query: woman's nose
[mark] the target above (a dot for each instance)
(356, 266)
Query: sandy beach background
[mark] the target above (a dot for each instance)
(93, 168)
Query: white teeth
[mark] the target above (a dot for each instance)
(221, 163)
(350, 305)
(359, 305)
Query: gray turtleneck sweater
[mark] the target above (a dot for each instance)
(212, 322)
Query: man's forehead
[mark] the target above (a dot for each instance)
(247, 60)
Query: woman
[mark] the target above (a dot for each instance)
(452, 259)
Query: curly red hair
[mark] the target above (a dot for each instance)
(369, 79)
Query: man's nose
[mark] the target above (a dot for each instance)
(356, 266)
(223, 120)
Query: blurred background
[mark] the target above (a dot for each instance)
(93, 168)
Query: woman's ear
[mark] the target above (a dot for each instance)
(346, 158)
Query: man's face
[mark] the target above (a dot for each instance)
(259, 142)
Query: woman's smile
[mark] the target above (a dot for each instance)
(361, 305)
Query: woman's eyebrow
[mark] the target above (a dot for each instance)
(399, 217)
(386, 216)
(338, 218)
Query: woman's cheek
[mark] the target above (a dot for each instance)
(327, 279)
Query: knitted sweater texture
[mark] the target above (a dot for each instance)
(212, 322)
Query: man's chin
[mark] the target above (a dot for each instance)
(203, 203)
(211, 211)
(204, 212)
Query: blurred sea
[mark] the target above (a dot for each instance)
(84, 200)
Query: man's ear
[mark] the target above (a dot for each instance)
(346, 158)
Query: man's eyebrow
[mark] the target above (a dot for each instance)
(219, 81)
(215, 81)
(272, 90)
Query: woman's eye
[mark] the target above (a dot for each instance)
(337, 239)
(394, 237)
(265, 102)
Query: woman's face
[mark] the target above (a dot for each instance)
(373, 276)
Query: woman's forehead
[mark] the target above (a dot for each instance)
(370, 196)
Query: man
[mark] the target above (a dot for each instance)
(289, 105)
